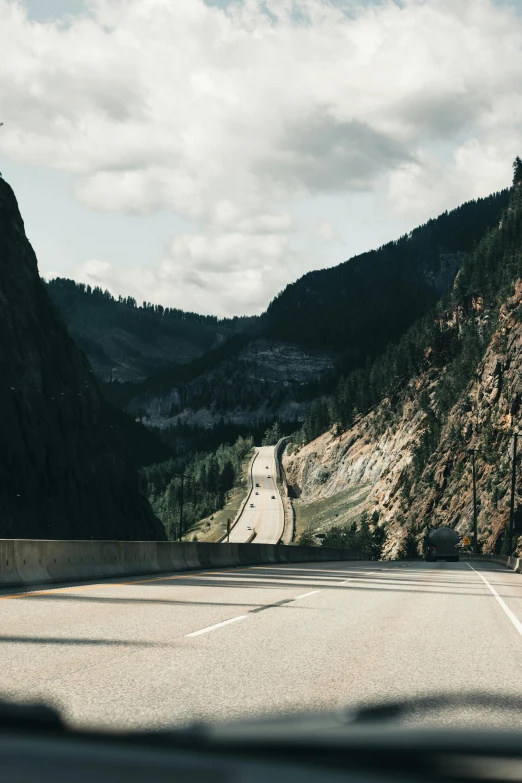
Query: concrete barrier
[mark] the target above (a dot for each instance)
(8, 573)
(33, 562)
(282, 485)
(514, 563)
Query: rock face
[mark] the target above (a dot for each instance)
(378, 450)
(64, 470)
(258, 384)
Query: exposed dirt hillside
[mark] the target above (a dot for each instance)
(64, 467)
(378, 450)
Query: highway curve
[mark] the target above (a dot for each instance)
(222, 645)
(263, 513)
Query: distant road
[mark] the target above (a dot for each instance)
(220, 645)
(263, 512)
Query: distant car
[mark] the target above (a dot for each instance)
(266, 467)
(257, 485)
(268, 475)
(248, 527)
(251, 505)
(273, 497)
(257, 493)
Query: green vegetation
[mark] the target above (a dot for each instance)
(517, 171)
(209, 478)
(388, 316)
(126, 341)
(211, 458)
(410, 546)
(359, 307)
(145, 446)
(318, 420)
(360, 534)
(452, 336)
(338, 509)
(186, 440)
(272, 435)
(211, 528)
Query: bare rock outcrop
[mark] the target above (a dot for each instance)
(379, 449)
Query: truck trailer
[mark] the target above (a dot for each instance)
(441, 543)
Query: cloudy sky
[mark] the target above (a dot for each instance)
(204, 153)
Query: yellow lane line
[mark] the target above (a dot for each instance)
(100, 585)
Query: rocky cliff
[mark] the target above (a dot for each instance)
(381, 452)
(259, 384)
(64, 468)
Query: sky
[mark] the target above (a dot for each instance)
(203, 154)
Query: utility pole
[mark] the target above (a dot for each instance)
(475, 539)
(512, 504)
(182, 477)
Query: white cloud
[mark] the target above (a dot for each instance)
(228, 117)
(325, 230)
(229, 273)
(96, 272)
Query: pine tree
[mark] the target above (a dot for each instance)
(410, 548)
(517, 171)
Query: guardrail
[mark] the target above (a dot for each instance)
(32, 562)
(282, 484)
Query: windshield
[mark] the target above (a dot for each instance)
(260, 362)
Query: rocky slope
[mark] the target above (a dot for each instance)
(318, 328)
(64, 468)
(379, 450)
(260, 383)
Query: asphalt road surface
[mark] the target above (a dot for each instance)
(263, 511)
(222, 645)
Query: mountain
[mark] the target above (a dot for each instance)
(396, 435)
(358, 307)
(65, 472)
(318, 329)
(127, 342)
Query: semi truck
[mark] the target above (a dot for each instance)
(441, 543)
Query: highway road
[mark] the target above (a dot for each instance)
(223, 645)
(263, 511)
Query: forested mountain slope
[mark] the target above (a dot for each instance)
(64, 467)
(360, 306)
(325, 324)
(402, 427)
(127, 342)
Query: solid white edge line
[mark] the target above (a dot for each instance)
(217, 625)
(347, 580)
(306, 595)
(516, 622)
